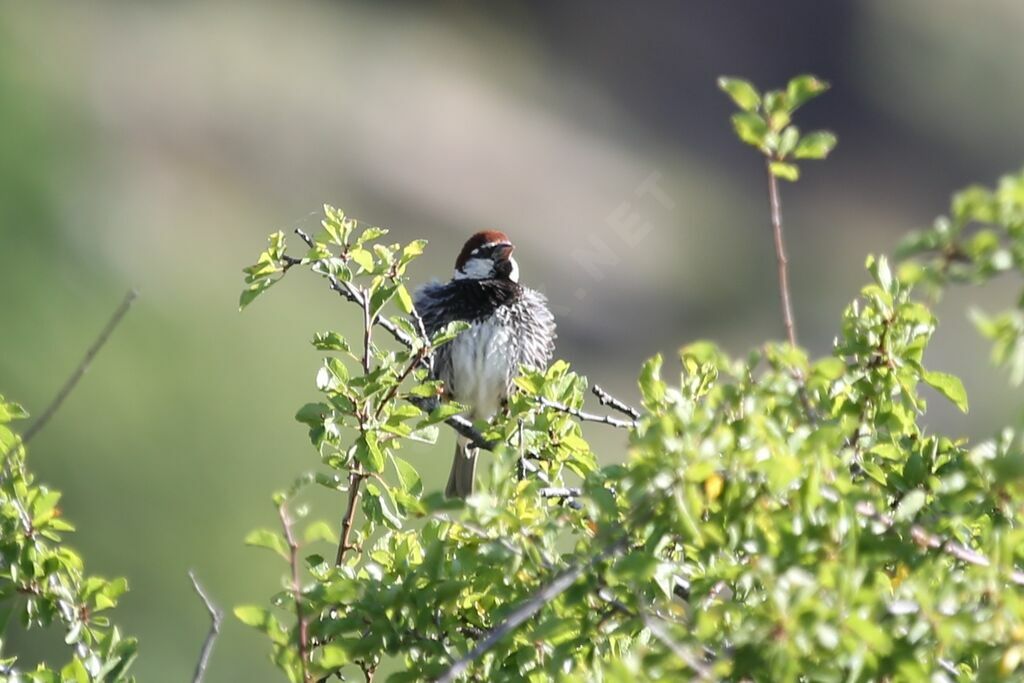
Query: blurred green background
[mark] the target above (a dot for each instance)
(155, 145)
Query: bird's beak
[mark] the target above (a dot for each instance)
(503, 252)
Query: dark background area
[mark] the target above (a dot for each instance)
(155, 145)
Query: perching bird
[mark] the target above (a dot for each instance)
(510, 325)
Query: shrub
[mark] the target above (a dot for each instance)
(43, 581)
(775, 517)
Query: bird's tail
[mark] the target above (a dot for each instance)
(460, 481)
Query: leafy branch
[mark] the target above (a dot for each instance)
(774, 515)
(42, 581)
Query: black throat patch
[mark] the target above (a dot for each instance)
(477, 299)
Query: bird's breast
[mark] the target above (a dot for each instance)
(482, 361)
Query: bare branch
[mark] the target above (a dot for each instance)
(654, 624)
(587, 417)
(560, 492)
(216, 618)
(355, 481)
(417, 359)
(926, 539)
(606, 399)
(58, 400)
(86, 361)
(367, 332)
(520, 614)
(350, 292)
(780, 254)
(293, 563)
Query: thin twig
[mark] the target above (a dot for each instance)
(780, 254)
(427, 357)
(521, 443)
(353, 294)
(926, 539)
(72, 381)
(417, 359)
(783, 266)
(587, 417)
(367, 332)
(300, 617)
(527, 609)
(654, 624)
(356, 476)
(606, 399)
(560, 492)
(216, 617)
(58, 400)
(355, 481)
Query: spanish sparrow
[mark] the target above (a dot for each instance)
(510, 326)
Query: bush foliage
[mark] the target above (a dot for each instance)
(43, 582)
(775, 517)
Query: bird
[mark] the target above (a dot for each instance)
(510, 326)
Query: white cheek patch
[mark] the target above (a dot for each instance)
(475, 269)
(514, 273)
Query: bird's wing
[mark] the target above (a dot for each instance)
(538, 339)
(431, 303)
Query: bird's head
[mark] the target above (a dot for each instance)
(487, 255)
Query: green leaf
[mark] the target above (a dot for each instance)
(750, 128)
(781, 169)
(803, 89)
(872, 635)
(427, 434)
(313, 414)
(404, 300)
(251, 615)
(319, 531)
(880, 271)
(787, 141)
(363, 258)
(333, 656)
(11, 411)
(441, 413)
(336, 225)
(449, 332)
(742, 92)
(910, 505)
(776, 102)
(408, 477)
(265, 538)
(250, 293)
(370, 234)
(330, 341)
(381, 296)
(332, 375)
(370, 455)
(949, 386)
(816, 145)
(652, 389)
(412, 250)
(75, 672)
